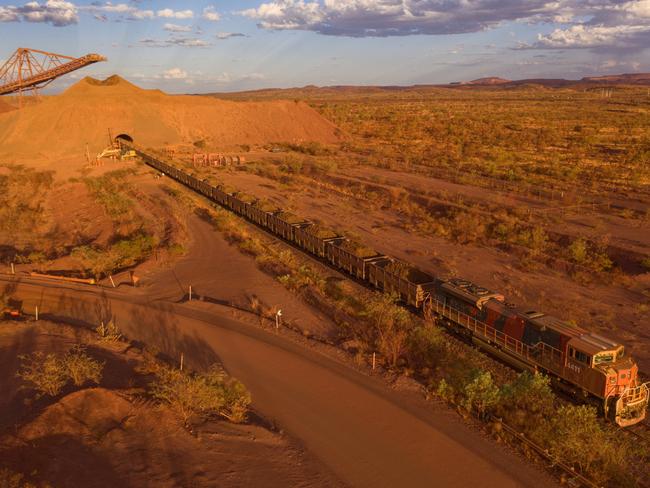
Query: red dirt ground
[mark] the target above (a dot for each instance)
(99, 437)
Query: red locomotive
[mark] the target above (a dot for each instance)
(580, 361)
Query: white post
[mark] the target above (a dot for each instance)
(112, 282)
(182, 357)
(278, 314)
(36, 312)
(374, 360)
(13, 269)
(190, 293)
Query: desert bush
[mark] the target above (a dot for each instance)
(81, 368)
(390, 324)
(426, 347)
(46, 373)
(11, 479)
(202, 394)
(481, 394)
(528, 400)
(645, 263)
(122, 254)
(49, 373)
(108, 332)
(575, 436)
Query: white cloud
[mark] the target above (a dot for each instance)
(175, 41)
(177, 28)
(9, 14)
(56, 12)
(210, 13)
(123, 10)
(585, 23)
(589, 36)
(228, 35)
(175, 14)
(175, 74)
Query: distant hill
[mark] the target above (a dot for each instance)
(628, 78)
(490, 80)
(486, 83)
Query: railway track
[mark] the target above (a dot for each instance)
(446, 299)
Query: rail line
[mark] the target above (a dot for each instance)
(459, 303)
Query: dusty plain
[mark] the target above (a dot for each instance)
(540, 193)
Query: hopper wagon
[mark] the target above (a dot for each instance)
(261, 211)
(313, 238)
(284, 224)
(350, 256)
(393, 276)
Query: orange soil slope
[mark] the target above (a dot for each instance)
(63, 125)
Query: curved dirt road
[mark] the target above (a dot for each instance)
(365, 433)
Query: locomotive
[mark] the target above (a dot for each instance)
(579, 361)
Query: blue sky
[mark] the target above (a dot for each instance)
(199, 46)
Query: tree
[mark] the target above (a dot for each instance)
(527, 400)
(391, 324)
(481, 394)
(577, 437)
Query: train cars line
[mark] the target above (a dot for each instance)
(582, 362)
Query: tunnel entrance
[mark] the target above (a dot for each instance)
(124, 137)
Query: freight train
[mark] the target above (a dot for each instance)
(579, 361)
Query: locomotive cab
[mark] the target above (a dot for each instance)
(600, 366)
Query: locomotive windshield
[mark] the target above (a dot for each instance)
(609, 356)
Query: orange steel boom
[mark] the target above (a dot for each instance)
(25, 71)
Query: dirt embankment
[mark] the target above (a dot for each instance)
(108, 435)
(63, 125)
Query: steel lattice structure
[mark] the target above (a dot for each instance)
(29, 70)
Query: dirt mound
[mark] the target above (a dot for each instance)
(97, 438)
(83, 114)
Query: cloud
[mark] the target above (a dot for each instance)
(222, 36)
(620, 25)
(177, 28)
(175, 14)
(592, 36)
(174, 41)
(55, 12)
(381, 18)
(580, 23)
(122, 10)
(175, 74)
(210, 13)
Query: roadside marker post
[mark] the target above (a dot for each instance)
(374, 360)
(182, 357)
(112, 282)
(13, 269)
(278, 316)
(36, 313)
(190, 293)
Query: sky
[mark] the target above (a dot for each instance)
(231, 45)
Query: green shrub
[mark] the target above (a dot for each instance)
(109, 332)
(527, 401)
(576, 437)
(390, 325)
(49, 373)
(46, 373)
(204, 395)
(426, 347)
(481, 394)
(578, 251)
(81, 368)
